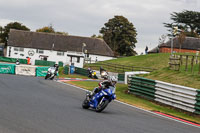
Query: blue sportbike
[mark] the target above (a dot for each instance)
(100, 100)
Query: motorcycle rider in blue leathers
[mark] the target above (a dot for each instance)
(111, 81)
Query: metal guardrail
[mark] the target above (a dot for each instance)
(142, 87)
(177, 96)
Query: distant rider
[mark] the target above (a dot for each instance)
(89, 72)
(56, 69)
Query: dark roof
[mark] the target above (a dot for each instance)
(154, 50)
(39, 40)
(189, 43)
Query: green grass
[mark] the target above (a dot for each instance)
(139, 102)
(155, 61)
(175, 77)
(160, 62)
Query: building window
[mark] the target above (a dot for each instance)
(16, 49)
(19, 49)
(40, 51)
(60, 53)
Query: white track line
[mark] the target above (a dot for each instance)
(136, 107)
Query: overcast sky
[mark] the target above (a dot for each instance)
(86, 17)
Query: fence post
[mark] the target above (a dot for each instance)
(192, 63)
(181, 60)
(186, 66)
(199, 65)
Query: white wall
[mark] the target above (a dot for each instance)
(95, 58)
(52, 56)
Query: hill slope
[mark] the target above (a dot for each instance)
(163, 73)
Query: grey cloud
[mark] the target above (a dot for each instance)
(86, 17)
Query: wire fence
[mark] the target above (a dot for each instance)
(118, 67)
(187, 63)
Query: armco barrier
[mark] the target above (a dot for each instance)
(41, 71)
(44, 63)
(175, 95)
(197, 105)
(7, 68)
(142, 87)
(81, 71)
(181, 97)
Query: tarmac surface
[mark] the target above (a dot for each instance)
(34, 105)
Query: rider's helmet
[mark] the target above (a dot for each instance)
(113, 80)
(55, 65)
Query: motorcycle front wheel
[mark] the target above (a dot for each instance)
(85, 104)
(102, 106)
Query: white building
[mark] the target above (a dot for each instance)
(55, 47)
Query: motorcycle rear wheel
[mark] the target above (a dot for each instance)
(102, 106)
(52, 78)
(47, 76)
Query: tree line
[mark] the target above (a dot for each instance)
(120, 34)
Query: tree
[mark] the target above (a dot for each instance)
(162, 39)
(47, 29)
(12, 25)
(120, 35)
(1, 33)
(95, 36)
(62, 33)
(181, 39)
(189, 21)
(50, 29)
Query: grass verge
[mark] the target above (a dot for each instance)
(139, 102)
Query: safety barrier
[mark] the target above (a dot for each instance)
(12, 60)
(81, 71)
(7, 68)
(121, 77)
(41, 71)
(175, 95)
(181, 97)
(66, 70)
(60, 64)
(197, 105)
(142, 87)
(25, 70)
(44, 63)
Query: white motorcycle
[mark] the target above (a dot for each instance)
(51, 73)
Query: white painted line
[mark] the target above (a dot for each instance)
(136, 107)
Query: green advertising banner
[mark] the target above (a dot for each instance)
(13, 60)
(7, 68)
(41, 71)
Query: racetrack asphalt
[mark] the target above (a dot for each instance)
(34, 105)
